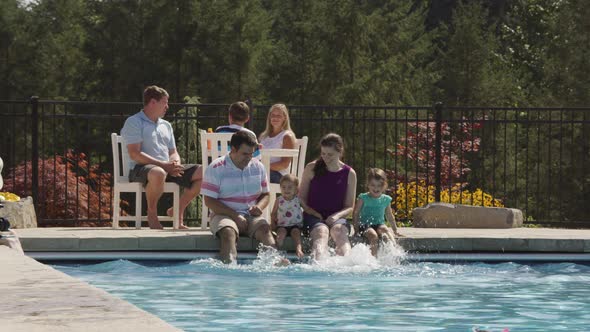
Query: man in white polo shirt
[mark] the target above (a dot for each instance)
(236, 190)
(154, 159)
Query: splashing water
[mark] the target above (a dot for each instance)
(390, 253)
(359, 260)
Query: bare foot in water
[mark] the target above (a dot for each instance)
(283, 262)
(153, 220)
(299, 252)
(170, 212)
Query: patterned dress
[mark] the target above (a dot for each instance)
(290, 212)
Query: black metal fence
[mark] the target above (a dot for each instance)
(533, 159)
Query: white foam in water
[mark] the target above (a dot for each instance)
(390, 254)
(359, 260)
(268, 258)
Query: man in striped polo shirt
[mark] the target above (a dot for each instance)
(236, 190)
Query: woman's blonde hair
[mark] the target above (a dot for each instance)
(286, 124)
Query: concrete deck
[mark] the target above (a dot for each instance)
(525, 240)
(36, 297)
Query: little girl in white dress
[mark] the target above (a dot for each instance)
(287, 213)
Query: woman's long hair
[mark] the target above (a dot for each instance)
(286, 124)
(331, 140)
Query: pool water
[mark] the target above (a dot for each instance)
(355, 293)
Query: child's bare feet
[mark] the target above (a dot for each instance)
(283, 262)
(299, 252)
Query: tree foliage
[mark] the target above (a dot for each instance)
(394, 52)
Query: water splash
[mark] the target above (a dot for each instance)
(268, 258)
(390, 253)
(358, 261)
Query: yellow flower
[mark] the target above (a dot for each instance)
(9, 197)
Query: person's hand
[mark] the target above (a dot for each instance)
(254, 210)
(319, 216)
(173, 168)
(330, 220)
(397, 234)
(240, 218)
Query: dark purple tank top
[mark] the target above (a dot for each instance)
(327, 192)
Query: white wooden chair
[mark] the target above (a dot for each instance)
(122, 184)
(213, 146)
(296, 168)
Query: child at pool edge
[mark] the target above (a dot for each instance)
(371, 209)
(287, 215)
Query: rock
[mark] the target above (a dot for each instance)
(445, 215)
(10, 240)
(20, 214)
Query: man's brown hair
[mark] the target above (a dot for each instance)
(153, 92)
(239, 111)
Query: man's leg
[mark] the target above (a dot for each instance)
(339, 233)
(264, 235)
(153, 191)
(188, 194)
(227, 250)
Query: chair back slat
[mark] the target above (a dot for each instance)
(213, 146)
(120, 159)
(298, 164)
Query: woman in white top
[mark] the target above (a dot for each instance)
(278, 135)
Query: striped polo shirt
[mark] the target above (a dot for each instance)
(238, 189)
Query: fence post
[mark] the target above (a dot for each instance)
(35, 148)
(438, 107)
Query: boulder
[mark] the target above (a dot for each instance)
(445, 215)
(10, 240)
(20, 214)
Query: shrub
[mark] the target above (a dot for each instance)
(68, 188)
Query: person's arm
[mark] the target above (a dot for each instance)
(391, 218)
(261, 204)
(310, 211)
(174, 156)
(305, 181)
(356, 214)
(274, 217)
(143, 158)
(219, 208)
(289, 142)
(348, 200)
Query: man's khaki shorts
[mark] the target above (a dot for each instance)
(219, 221)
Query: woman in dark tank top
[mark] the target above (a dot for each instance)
(328, 186)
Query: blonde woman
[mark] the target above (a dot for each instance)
(278, 135)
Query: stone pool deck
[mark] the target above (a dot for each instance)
(430, 240)
(36, 297)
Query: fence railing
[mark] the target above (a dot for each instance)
(533, 159)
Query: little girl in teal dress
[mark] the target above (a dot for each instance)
(371, 209)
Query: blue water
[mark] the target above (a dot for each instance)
(356, 293)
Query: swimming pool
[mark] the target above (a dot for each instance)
(355, 293)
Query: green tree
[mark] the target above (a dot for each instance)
(474, 72)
